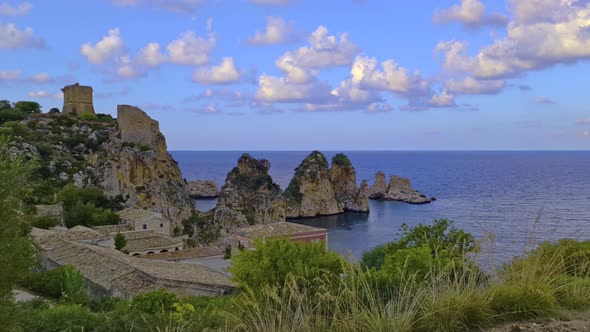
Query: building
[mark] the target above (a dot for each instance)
(78, 99)
(109, 272)
(150, 242)
(143, 220)
(245, 236)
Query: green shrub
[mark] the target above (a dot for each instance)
(61, 318)
(54, 110)
(342, 160)
(75, 140)
(120, 241)
(28, 107)
(88, 117)
(154, 302)
(573, 292)
(64, 282)
(87, 214)
(70, 195)
(44, 222)
(106, 118)
(522, 300)
(65, 120)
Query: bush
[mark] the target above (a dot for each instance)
(54, 110)
(44, 222)
(64, 282)
(88, 117)
(106, 118)
(87, 214)
(573, 292)
(341, 159)
(274, 260)
(28, 107)
(120, 241)
(522, 300)
(154, 302)
(70, 195)
(61, 318)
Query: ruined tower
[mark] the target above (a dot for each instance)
(77, 99)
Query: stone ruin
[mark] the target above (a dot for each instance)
(136, 126)
(77, 99)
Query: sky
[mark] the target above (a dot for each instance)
(325, 74)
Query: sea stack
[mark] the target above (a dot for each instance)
(249, 196)
(343, 178)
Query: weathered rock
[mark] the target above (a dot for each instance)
(343, 178)
(249, 196)
(378, 189)
(139, 167)
(310, 193)
(400, 189)
(361, 202)
(203, 189)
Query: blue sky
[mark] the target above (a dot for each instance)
(302, 75)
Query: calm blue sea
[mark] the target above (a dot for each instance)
(512, 200)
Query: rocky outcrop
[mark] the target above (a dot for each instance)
(379, 188)
(310, 193)
(343, 178)
(135, 163)
(249, 196)
(203, 189)
(399, 189)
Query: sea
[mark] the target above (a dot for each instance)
(510, 200)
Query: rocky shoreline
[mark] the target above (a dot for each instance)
(203, 189)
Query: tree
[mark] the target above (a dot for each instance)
(28, 107)
(120, 241)
(54, 111)
(16, 250)
(5, 105)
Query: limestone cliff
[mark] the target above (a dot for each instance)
(310, 193)
(203, 189)
(379, 188)
(135, 163)
(343, 178)
(249, 196)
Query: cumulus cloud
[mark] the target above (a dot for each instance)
(13, 38)
(471, 86)
(8, 10)
(538, 38)
(277, 31)
(191, 49)
(470, 13)
(281, 89)
(45, 94)
(10, 75)
(544, 100)
(225, 73)
(443, 99)
(178, 6)
(104, 50)
(583, 121)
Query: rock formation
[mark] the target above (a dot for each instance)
(138, 166)
(399, 189)
(343, 178)
(203, 189)
(310, 193)
(249, 196)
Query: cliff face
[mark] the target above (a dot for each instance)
(249, 196)
(135, 163)
(379, 188)
(310, 193)
(343, 178)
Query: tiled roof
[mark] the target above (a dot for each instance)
(154, 242)
(78, 233)
(276, 229)
(110, 229)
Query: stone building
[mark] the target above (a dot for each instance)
(245, 236)
(144, 220)
(77, 99)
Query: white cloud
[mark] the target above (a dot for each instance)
(151, 55)
(544, 100)
(190, 49)
(277, 31)
(7, 10)
(45, 94)
(127, 69)
(178, 6)
(280, 89)
(583, 121)
(106, 49)
(471, 86)
(224, 73)
(538, 38)
(585, 133)
(10, 75)
(471, 13)
(12, 38)
(41, 78)
(443, 99)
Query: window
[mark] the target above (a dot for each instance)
(161, 225)
(144, 226)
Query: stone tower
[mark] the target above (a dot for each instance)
(77, 99)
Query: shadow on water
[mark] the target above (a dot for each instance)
(344, 221)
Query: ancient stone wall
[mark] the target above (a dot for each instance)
(136, 126)
(77, 99)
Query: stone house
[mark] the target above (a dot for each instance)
(143, 220)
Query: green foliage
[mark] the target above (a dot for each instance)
(28, 107)
(70, 195)
(120, 241)
(65, 120)
(106, 118)
(87, 214)
(64, 282)
(206, 229)
(44, 222)
(573, 292)
(75, 140)
(16, 250)
(227, 252)
(154, 302)
(524, 299)
(342, 160)
(88, 117)
(274, 260)
(54, 110)
(61, 318)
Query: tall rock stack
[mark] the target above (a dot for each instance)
(311, 193)
(343, 178)
(249, 196)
